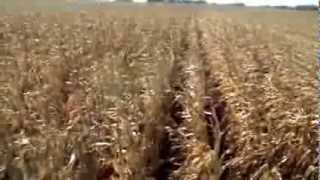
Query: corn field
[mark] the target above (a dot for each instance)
(156, 93)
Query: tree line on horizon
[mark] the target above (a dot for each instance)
(298, 7)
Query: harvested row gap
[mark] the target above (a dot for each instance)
(201, 161)
(171, 146)
(217, 118)
(216, 112)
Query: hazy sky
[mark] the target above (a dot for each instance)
(268, 2)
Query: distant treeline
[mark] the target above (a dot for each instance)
(299, 7)
(307, 7)
(197, 2)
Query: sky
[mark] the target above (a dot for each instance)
(268, 2)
